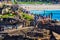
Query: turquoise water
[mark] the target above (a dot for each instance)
(55, 13)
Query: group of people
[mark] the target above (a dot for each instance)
(42, 20)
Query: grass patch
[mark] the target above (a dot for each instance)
(7, 16)
(34, 2)
(30, 2)
(26, 16)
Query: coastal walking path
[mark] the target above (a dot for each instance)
(39, 6)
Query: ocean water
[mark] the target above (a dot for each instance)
(55, 13)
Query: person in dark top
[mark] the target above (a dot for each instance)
(1, 10)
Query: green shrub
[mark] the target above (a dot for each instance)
(27, 16)
(7, 16)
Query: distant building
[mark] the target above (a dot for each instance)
(4, 0)
(0, 0)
